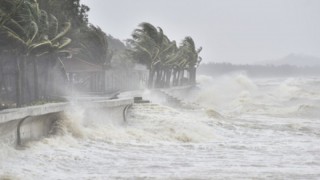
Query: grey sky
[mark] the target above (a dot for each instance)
(237, 31)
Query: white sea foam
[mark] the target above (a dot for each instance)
(241, 129)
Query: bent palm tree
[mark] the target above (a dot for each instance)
(190, 58)
(18, 31)
(149, 46)
(28, 33)
(93, 47)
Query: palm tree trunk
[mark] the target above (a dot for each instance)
(158, 78)
(36, 79)
(46, 79)
(193, 72)
(162, 78)
(175, 77)
(1, 75)
(168, 77)
(28, 95)
(65, 74)
(104, 81)
(179, 78)
(151, 77)
(23, 80)
(18, 82)
(182, 78)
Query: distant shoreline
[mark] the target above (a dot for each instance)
(217, 69)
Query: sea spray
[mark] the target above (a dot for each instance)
(263, 138)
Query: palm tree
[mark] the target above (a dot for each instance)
(18, 31)
(144, 47)
(28, 33)
(151, 47)
(191, 57)
(51, 47)
(67, 10)
(93, 47)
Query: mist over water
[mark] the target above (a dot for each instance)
(231, 127)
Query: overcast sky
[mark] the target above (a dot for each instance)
(237, 31)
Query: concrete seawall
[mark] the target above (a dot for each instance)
(20, 125)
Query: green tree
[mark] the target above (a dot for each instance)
(29, 33)
(67, 11)
(190, 58)
(93, 46)
(18, 32)
(149, 46)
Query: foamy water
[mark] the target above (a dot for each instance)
(232, 128)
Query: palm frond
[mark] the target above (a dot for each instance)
(40, 48)
(65, 29)
(12, 7)
(64, 42)
(53, 26)
(14, 26)
(44, 22)
(34, 31)
(11, 36)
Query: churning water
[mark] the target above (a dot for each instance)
(231, 128)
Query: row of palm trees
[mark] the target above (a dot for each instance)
(167, 62)
(36, 37)
(31, 37)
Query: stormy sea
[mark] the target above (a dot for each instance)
(229, 127)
